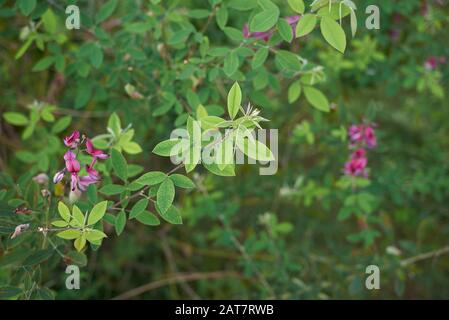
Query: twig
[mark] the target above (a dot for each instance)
(424, 256)
(172, 265)
(174, 279)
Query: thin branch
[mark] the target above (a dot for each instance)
(424, 256)
(174, 279)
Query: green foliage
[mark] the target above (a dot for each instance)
(137, 70)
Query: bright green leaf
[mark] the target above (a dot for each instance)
(305, 25)
(234, 100)
(138, 208)
(333, 33)
(64, 211)
(182, 181)
(120, 222)
(317, 99)
(119, 165)
(69, 234)
(15, 118)
(97, 212)
(165, 195)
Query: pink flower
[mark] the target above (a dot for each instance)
(79, 183)
(72, 165)
(259, 35)
(433, 62)
(362, 133)
(91, 178)
(266, 35)
(370, 137)
(41, 178)
(94, 152)
(73, 140)
(395, 34)
(356, 166)
(19, 229)
(424, 9)
(58, 176)
(359, 153)
(292, 21)
(355, 133)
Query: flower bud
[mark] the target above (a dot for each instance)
(58, 176)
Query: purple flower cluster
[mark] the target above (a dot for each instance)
(360, 136)
(266, 35)
(433, 62)
(73, 167)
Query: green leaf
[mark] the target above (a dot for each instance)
(69, 234)
(131, 147)
(97, 212)
(179, 36)
(243, 5)
(231, 63)
(114, 124)
(294, 91)
(24, 48)
(78, 217)
(80, 243)
(234, 100)
(151, 178)
(222, 17)
(165, 195)
(259, 58)
(44, 293)
(96, 55)
(15, 118)
(95, 235)
(297, 5)
(83, 93)
(305, 25)
(138, 208)
(120, 222)
(201, 112)
(61, 124)
(27, 6)
(76, 258)
(265, 19)
(317, 99)
(106, 10)
(60, 223)
(148, 219)
(112, 189)
(333, 33)
(119, 165)
(43, 64)
(288, 60)
(285, 30)
(50, 21)
(165, 147)
(8, 292)
(233, 33)
(172, 215)
(254, 149)
(64, 211)
(182, 181)
(226, 171)
(199, 13)
(213, 122)
(38, 257)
